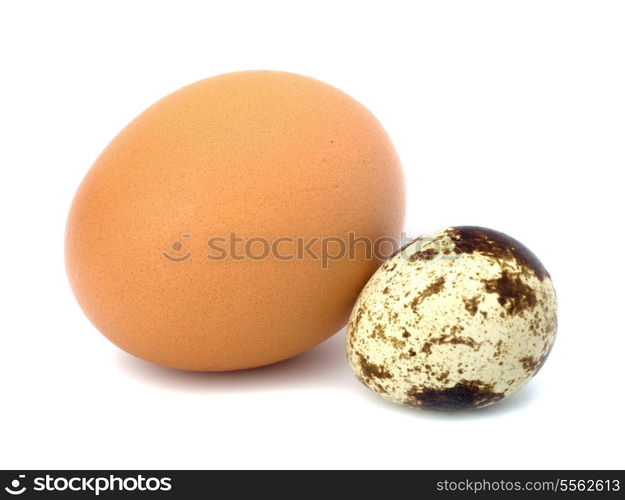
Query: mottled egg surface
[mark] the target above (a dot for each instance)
(460, 318)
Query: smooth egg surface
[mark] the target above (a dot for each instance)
(459, 318)
(191, 241)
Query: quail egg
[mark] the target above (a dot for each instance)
(456, 319)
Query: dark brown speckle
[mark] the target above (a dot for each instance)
(465, 394)
(532, 365)
(432, 289)
(472, 304)
(427, 254)
(469, 239)
(371, 370)
(515, 296)
(449, 339)
(529, 363)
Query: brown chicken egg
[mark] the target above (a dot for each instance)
(215, 232)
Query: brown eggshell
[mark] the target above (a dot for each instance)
(260, 154)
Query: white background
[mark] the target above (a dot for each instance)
(505, 114)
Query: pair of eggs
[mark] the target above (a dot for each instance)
(223, 229)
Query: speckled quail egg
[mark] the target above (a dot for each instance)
(459, 318)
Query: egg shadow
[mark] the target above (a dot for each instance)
(322, 366)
